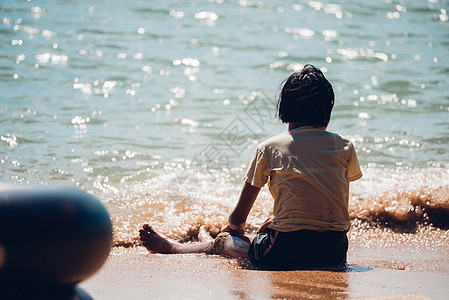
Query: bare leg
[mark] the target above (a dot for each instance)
(224, 244)
(158, 244)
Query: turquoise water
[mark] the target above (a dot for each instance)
(144, 102)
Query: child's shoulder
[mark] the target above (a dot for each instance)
(298, 136)
(339, 137)
(278, 139)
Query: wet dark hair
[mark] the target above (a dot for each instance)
(306, 97)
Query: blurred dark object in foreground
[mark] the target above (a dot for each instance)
(51, 238)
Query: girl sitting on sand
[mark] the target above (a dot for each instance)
(308, 171)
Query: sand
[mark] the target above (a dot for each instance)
(375, 273)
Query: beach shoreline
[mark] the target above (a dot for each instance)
(395, 272)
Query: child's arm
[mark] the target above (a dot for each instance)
(238, 216)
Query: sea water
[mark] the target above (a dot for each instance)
(156, 107)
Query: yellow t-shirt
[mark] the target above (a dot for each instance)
(308, 171)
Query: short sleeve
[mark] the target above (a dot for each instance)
(258, 170)
(354, 172)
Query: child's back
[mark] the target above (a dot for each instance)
(309, 170)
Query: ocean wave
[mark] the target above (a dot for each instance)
(405, 211)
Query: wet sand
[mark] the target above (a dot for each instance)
(399, 270)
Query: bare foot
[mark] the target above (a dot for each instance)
(204, 235)
(156, 243)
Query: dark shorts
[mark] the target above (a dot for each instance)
(302, 249)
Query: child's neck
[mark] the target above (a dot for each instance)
(294, 125)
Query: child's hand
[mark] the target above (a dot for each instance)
(265, 225)
(238, 232)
